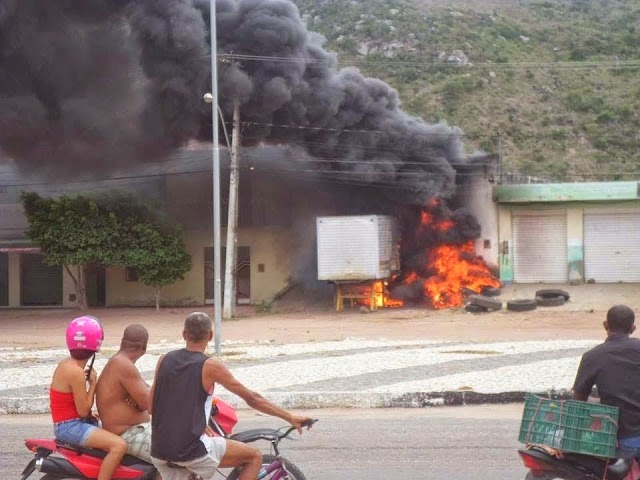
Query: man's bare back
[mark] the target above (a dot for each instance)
(114, 398)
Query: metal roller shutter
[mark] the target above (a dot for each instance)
(40, 284)
(612, 247)
(540, 247)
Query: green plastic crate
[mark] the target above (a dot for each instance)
(570, 426)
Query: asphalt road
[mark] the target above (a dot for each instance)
(465, 443)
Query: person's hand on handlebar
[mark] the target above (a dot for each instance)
(299, 422)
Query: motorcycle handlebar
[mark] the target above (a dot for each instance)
(307, 424)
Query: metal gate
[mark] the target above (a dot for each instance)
(540, 247)
(40, 284)
(612, 247)
(4, 279)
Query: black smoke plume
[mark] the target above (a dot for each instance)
(92, 85)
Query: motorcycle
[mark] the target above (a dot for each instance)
(544, 465)
(66, 462)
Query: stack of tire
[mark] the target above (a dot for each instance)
(544, 298)
(484, 303)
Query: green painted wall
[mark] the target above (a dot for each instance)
(566, 192)
(506, 262)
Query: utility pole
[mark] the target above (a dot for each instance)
(500, 166)
(232, 219)
(217, 283)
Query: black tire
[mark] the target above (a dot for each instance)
(491, 292)
(485, 302)
(521, 305)
(294, 472)
(556, 301)
(529, 476)
(49, 476)
(475, 309)
(553, 292)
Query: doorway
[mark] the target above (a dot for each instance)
(243, 275)
(96, 283)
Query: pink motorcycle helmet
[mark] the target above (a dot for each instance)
(84, 336)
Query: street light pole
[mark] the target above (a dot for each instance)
(217, 287)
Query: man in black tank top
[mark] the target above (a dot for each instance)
(180, 407)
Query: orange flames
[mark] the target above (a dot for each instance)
(451, 268)
(379, 293)
(454, 267)
(457, 267)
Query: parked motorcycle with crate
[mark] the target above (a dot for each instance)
(572, 440)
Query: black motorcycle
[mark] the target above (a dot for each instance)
(543, 465)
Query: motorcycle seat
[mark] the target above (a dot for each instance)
(127, 460)
(618, 469)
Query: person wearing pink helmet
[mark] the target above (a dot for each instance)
(71, 396)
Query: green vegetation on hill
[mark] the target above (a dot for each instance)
(557, 81)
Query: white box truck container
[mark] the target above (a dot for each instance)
(354, 248)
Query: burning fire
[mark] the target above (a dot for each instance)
(457, 267)
(449, 268)
(452, 267)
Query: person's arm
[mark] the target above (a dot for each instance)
(136, 388)
(82, 397)
(153, 386)
(585, 379)
(216, 372)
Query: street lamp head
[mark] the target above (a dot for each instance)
(207, 97)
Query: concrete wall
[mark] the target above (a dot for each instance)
(575, 244)
(505, 241)
(476, 194)
(270, 248)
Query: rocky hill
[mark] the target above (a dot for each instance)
(553, 86)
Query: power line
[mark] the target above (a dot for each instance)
(586, 64)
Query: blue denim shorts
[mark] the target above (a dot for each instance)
(628, 447)
(76, 431)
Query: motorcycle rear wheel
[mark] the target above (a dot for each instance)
(294, 472)
(529, 476)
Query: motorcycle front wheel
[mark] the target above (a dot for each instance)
(294, 472)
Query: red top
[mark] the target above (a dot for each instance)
(63, 407)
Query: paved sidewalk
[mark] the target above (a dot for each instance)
(312, 357)
(346, 373)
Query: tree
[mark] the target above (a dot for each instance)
(157, 251)
(107, 231)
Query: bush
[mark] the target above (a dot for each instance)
(584, 103)
(510, 32)
(455, 88)
(606, 116)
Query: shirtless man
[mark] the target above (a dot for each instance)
(122, 396)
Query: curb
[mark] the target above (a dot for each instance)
(314, 400)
